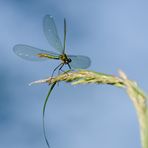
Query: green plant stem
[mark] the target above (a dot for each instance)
(43, 117)
(136, 95)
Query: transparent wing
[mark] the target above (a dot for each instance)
(31, 53)
(51, 33)
(78, 61)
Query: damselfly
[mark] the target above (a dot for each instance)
(34, 54)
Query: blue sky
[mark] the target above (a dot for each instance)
(112, 33)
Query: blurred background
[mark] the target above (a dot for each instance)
(114, 34)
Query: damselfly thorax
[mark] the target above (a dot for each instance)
(65, 59)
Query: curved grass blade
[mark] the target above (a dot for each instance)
(43, 117)
(32, 53)
(79, 61)
(51, 33)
